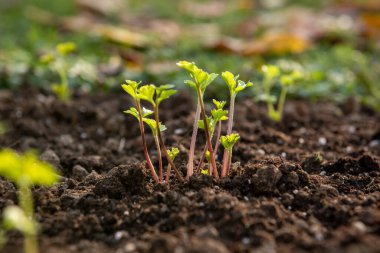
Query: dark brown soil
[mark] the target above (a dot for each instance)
(309, 184)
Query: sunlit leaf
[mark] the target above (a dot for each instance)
(173, 153)
(229, 141)
(15, 218)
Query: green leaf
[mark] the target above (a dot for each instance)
(152, 125)
(147, 92)
(242, 85)
(65, 48)
(209, 78)
(164, 92)
(173, 153)
(290, 79)
(233, 83)
(229, 141)
(131, 88)
(270, 71)
(219, 104)
(230, 80)
(219, 115)
(201, 124)
(15, 218)
(191, 84)
(133, 111)
(189, 66)
(27, 169)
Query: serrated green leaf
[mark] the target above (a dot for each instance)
(131, 88)
(242, 85)
(133, 111)
(201, 124)
(147, 92)
(229, 141)
(173, 153)
(146, 112)
(15, 218)
(219, 104)
(163, 94)
(207, 81)
(191, 84)
(219, 115)
(189, 66)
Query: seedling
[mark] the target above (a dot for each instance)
(234, 86)
(201, 79)
(271, 74)
(25, 172)
(154, 95)
(58, 62)
(228, 142)
(173, 153)
(218, 115)
(131, 87)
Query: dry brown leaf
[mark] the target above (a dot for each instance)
(371, 22)
(280, 43)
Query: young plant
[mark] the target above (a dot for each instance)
(25, 172)
(218, 115)
(234, 86)
(131, 87)
(271, 74)
(58, 62)
(173, 153)
(155, 96)
(228, 142)
(201, 79)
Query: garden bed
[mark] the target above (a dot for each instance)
(308, 184)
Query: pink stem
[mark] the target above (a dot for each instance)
(190, 163)
(226, 154)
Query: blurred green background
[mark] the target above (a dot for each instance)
(336, 44)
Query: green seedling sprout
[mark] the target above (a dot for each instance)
(155, 95)
(271, 74)
(218, 115)
(25, 172)
(201, 79)
(173, 153)
(228, 142)
(131, 87)
(58, 62)
(234, 86)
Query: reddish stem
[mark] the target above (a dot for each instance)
(157, 119)
(225, 167)
(143, 140)
(207, 134)
(190, 163)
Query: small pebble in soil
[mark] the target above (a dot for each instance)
(322, 141)
(51, 157)
(179, 131)
(301, 141)
(79, 172)
(66, 140)
(323, 173)
(261, 151)
(374, 143)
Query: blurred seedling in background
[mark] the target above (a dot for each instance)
(25, 171)
(272, 75)
(58, 62)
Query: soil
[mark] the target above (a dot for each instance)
(308, 184)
